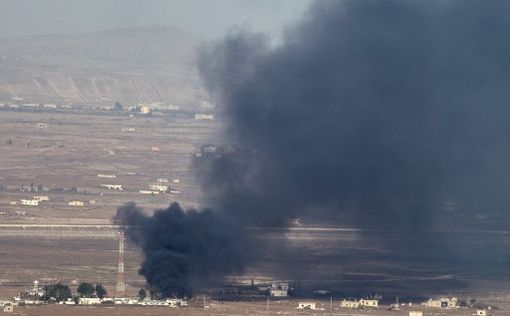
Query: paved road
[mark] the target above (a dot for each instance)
(59, 231)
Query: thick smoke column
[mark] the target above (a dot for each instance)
(369, 113)
(374, 110)
(184, 250)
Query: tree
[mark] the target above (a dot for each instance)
(142, 294)
(85, 289)
(9, 142)
(100, 290)
(57, 292)
(155, 293)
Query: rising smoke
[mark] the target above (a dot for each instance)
(369, 113)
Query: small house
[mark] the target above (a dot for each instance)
(369, 302)
(350, 303)
(8, 308)
(76, 203)
(279, 293)
(89, 301)
(306, 305)
(29, 202)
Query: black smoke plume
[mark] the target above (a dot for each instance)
(368, 113)
(183, 250)
(377, 110)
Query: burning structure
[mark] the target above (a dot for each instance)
(369, 113)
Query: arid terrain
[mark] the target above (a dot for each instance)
(69, 152)
(130, 65)
(61, 153)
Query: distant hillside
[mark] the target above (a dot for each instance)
(127, 65)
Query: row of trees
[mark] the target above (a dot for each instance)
(153, 292)
(88, 290)
(57, 292)
(60, 292)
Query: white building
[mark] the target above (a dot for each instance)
(89, 301)
(126, 301)
(155, 303)
(36, 290)
(76, 203)
(350, 303)
(442, 302)
(149, 192)
(41, 198)
(112, 186)
(158, 187)
(306, 305)
(108, 176)
(8, 308)
(279, 289)
(204, 117)
(369, 303)
(415, 313)
(145, 110)
(279, 293)
(29, 202)
(162, 180)
(175, 302)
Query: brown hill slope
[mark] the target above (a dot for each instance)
(127, 65)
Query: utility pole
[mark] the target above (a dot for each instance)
(331, 303)
(121, 284)
(267, 305)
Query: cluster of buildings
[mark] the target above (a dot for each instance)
(38, 199)
(174, 302)
(19, 104)
(115, 187)
(161, 186)
(359, 303)
(33, 296)
(147, 108)
(204, 117)
(280, 289)
(34, 201)
(442, 302)
(102, 301)
(144, 108)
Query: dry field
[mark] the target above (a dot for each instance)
(70, 150)
(73, 149)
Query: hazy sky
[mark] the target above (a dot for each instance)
(203, 18)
